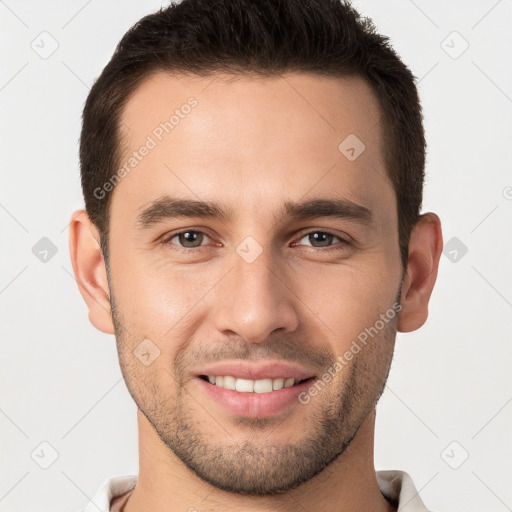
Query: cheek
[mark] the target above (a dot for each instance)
(343, 301)
(159, 300)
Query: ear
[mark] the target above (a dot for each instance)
(89, 268)
(425, 247)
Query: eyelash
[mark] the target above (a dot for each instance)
(335, 247)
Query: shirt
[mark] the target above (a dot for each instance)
(396, 486)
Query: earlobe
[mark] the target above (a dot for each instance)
(89, 269)
(425, 247)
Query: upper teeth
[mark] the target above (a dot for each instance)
(251, 386)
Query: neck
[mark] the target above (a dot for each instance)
(166, 484)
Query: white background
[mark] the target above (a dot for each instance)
(60, 380)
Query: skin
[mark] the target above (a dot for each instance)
(252, 144)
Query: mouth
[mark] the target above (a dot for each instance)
(267, 385)
(255, 389)
(261, 398)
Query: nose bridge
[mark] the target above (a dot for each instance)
(255, 301)
(254, 267)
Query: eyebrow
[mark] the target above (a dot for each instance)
(167, 207)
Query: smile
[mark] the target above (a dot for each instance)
(252, 386)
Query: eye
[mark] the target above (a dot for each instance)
(193, 239)
(324, 239)
(187, 239)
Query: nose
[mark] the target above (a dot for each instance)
(256, 299)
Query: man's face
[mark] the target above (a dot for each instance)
(259, 286)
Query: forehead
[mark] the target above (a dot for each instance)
(252, 138)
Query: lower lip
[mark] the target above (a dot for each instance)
(255, 405)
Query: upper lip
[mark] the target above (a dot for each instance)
(257, 371)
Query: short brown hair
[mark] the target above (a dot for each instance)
(263, 37)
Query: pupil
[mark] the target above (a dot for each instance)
(324, 236)
(185, 238)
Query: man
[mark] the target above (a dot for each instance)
(252, 174)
